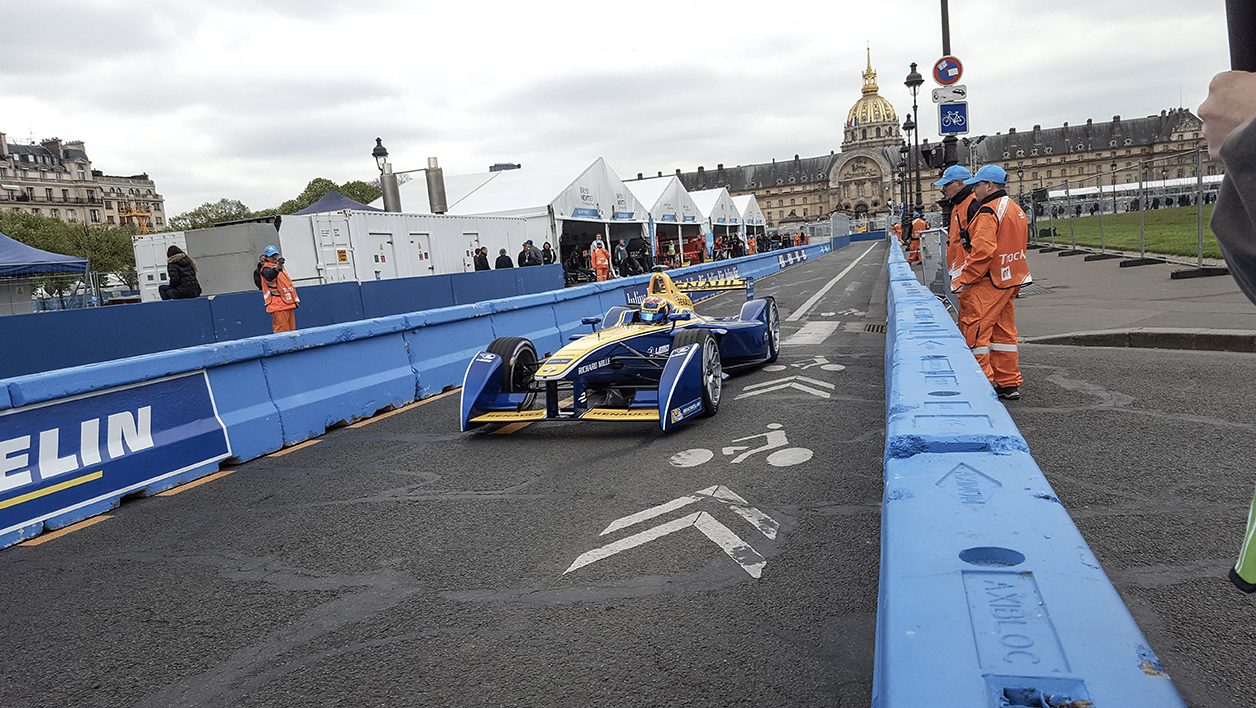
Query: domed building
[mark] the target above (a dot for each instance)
(872, 121)
(860, 179)
(861, 176)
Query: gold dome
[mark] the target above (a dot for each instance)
(870, 108)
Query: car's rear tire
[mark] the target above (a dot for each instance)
(712, 368)
(773, 331)
(518, 366)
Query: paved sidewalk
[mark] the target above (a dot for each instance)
(1073, 295)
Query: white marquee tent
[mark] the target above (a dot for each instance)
(674, 216)
(721, 218)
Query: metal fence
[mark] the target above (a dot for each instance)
(65, 291)
(1161, 217)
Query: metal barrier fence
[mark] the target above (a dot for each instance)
(1157, 217)
(934, 274)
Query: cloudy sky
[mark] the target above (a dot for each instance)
(251, 99)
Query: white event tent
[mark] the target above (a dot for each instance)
(673, 215)
(568, 211)
(752, 220)
(720, 216)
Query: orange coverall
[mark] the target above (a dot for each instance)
(992, 275)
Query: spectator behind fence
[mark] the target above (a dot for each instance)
(181, 276)
(503, 260)
(481, 258)
(530, 255)
(547, 254)
(278, 293)
(1229, 116)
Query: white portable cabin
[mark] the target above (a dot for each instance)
(674, 217)
(753, 223)
(721, 218)
(150, 260)
(360, 246)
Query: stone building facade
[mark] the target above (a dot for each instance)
(56, 178)
(862, 179)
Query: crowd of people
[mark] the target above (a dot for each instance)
(529, 255)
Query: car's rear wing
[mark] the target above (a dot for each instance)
(720, 285)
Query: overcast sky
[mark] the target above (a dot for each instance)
(252, 99)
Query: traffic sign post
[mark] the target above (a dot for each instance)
(948, 71)
(953, 118)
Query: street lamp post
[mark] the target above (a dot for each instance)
(1114, 187)
(388, 185)
(1020, 185)
(913, 81)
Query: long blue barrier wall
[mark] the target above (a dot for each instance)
(57, 340)
(989, 596)
(77, 440)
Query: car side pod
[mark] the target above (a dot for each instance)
(480, 387)
(680, 388)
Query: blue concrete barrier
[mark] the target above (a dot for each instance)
(178, 414)
(868, 236)
(329, 375)
(988, 596)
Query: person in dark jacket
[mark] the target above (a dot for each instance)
(547, 254)
(503, 261)
(181, 276)
(481, 258)
(1229, 117)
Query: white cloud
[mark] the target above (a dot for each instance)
(250, 100)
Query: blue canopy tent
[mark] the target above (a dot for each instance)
(18, 259)
(334, 201)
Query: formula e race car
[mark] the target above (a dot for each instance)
(659, 361)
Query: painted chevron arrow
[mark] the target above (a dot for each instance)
(795, 382)
(741, 552)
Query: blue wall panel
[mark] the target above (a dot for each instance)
(56, 340)
(396, 297)
(239, 315)
(538, 279)
(484, 285)
(329, 304)
(530, 316)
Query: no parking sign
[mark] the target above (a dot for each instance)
(948, 70)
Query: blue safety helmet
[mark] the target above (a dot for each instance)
(270, 251)
(989, 173)
(654, 310)
(954, 173)
(916, 214)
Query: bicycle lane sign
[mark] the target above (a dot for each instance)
(953, 118)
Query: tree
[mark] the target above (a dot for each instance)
(108, 249)
(210, 213)
(359, 191)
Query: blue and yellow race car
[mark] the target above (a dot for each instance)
(661, 361)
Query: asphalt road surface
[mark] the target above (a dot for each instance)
(402, 563)
(1151, 453)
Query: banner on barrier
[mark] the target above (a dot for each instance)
(635, 294)
(63, 455)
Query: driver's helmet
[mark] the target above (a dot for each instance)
(654, 310)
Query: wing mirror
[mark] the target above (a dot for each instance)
(590, 320)
(679, 316)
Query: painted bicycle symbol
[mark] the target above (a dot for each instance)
(953, 118)
(774, 441)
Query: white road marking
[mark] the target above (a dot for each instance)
(810, 303)
(787, 382)
(812, 333)
(733, 546)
